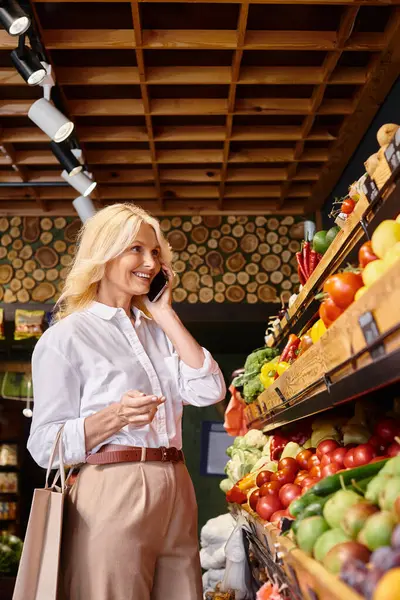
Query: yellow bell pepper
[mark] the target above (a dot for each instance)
(267, 375)
(317, 330)
(282, 367)
(266, 379)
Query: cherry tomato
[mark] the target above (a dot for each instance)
(325, 447)
(300, 476)
(366, 254)
(303, 457)
(263, 477)
(338, 456)
(329, 312)
(267, 505)
(288, 463)
(349, 459)
(342, 288)
(271, 488)
(283, 476)
(313, 461)
(288, 493)
(394, 449)
(387, 429)
(315, 472)
(363, 454)
(254, 497)
(330, 470)
(326, 459)
(347, 206)
(309, 482)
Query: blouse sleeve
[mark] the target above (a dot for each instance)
(56, 392)
(199, 387)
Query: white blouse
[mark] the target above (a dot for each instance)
(90, 359)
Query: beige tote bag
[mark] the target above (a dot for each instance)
(38, 571)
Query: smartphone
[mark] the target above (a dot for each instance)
(158, 286)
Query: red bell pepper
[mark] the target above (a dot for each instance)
(236, 496)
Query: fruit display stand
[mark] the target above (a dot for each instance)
(305, 578)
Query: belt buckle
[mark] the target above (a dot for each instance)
(164, 454)
(174, 454)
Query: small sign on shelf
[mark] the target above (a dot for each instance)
(370, 189)
(392, 152)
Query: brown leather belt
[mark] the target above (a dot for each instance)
(113, 453)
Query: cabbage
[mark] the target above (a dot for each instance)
(241, 463)
(256, 438)
(225, 485)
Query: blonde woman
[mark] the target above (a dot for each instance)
(118, 379)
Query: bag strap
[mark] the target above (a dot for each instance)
(57, 448)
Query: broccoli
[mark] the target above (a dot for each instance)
(252, 389)
(258, 358)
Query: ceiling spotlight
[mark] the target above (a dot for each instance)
(28, 64)
(13, 18)
(84, 207)
(66, 159)
(81, 182)
(50, 120)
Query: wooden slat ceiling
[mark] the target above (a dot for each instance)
(214, 107)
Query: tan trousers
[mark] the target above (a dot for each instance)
(130, 533)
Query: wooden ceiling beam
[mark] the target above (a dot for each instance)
(97, 75)
(112, 134)
(88, 39)
(309, 2)
(190, 133)
(171, 175)
(190, 191)
(248, 174)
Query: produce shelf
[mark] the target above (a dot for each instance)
(360, 352)
(353, 231)
(306, 578)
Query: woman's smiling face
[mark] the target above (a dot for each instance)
(132, 272)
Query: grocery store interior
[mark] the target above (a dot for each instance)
(265, 138)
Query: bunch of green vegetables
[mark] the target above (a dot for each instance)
(244, 453)
(249, 381)
(10, 553)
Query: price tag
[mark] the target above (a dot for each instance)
(392, 152)
(371, 333)
(370, 189)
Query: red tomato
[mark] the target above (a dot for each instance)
(378, 444)
(263, 477)
(347, 206)
(267, 505)
(278, 516)
(326, 459)
(329, 312)
(330, 470)
(387, 429)
(338, 456)
(313, 461)
(271, 488)
(303, 457)
(309, 481)
(349, 459)
(288, 493)
(363, 455)
(283, 476)
(342, 288)
(288, 463)
(300, 476)
(394, 449)
(315, 472)
(254, 497)
(366, 254)
(325, 447)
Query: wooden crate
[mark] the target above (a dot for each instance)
(311, 575)
(342, 340)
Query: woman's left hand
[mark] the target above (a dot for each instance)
(164, 303)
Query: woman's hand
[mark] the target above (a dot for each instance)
(137, 409)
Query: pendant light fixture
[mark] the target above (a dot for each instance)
(81, 183)
(50, 120)
(66, 158)
(84, 207)
(27, 63)
(13, 18)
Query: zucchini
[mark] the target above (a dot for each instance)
(297, 506)
(315, 508)
(332, 484)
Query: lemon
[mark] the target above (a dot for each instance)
(392, 255)
(373, 271)
(360, 292)
(385, 236)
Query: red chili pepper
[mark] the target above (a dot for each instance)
(313, 261)
(306, 259)
(292, 341)
(301, 276)
(236, 496)
(299, 258)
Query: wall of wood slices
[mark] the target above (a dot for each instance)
(216, 259)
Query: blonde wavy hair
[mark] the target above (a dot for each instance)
(102, 238)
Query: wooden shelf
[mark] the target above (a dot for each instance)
(305, 577)
(342, 364)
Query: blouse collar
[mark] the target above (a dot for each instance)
(106, 312)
